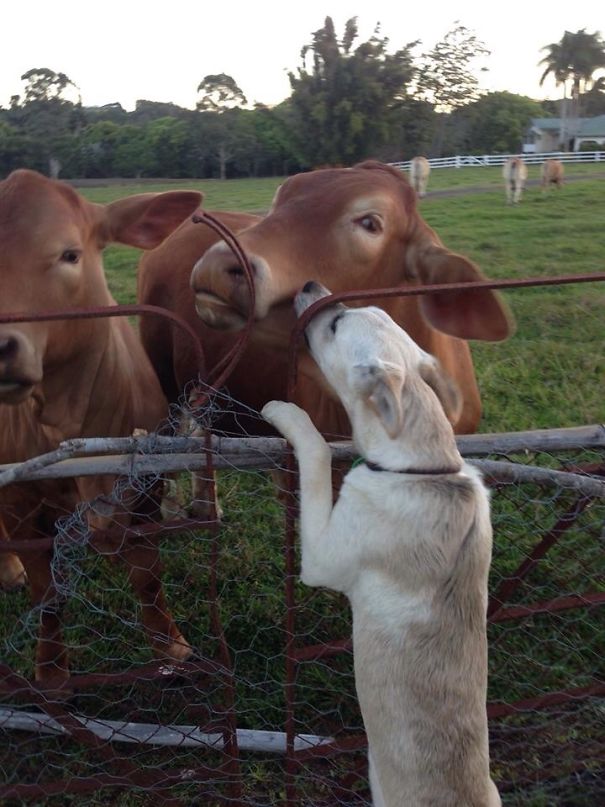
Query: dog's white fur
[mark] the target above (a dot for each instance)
(411, 551)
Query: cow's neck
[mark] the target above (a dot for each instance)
(91, 395)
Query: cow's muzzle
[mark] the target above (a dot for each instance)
(20, 370)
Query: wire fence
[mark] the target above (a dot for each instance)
(264, 711)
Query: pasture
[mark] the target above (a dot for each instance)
(549, 374)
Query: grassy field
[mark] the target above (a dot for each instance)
(549, 374)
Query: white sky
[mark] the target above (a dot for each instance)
(160, 50)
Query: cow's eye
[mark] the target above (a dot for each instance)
(71, 256)
(370, 223)
(235, 271)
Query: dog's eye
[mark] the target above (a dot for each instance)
(334, 322)
(370, 223)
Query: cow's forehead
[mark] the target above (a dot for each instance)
(31, 204)
(341, 185)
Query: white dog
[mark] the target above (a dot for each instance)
(409, 542)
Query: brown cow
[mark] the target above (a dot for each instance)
(349, 229)
(552, 173)
(73, 378)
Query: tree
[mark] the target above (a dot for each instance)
(47, 116)
(445, 78)
(220, 92)
(342, 97)
(167, 142)
(43, 84)
(15, 148)
(495, 124)
(573, 61)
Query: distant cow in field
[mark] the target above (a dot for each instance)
(353, 228)
(552, 173)
(420, 168)
(514, 172)
(74, 378)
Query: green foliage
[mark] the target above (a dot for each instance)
(342, 98)
(43, 84)
(445, 78)
(495, 124)
(575, 58)
(220, 92)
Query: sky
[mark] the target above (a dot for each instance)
(161, 50)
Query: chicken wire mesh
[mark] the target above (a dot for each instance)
(264, 711)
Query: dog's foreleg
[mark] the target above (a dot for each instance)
(315, 471)
(314, 464)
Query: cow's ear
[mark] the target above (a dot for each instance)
(444, 388)
(145, 220)
(467, 314)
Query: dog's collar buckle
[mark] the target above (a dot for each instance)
(413, 471)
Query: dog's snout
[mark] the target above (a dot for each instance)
(309, 294)
(309, 287)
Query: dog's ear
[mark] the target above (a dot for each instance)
(381, 385)
(444, 388)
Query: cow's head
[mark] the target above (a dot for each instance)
(51, 243)
(351, 228)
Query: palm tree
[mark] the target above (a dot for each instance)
(575, 59)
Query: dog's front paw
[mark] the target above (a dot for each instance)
(289, 419)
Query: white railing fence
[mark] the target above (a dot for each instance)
(460, 161)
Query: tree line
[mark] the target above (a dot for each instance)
(349, 100)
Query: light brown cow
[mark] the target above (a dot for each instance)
(552, 173)
(514, 172)
(348, 229)
(420, 168)
(73, 378)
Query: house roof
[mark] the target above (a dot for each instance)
(588, 127)
(594, 127)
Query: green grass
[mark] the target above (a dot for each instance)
(549, 374)
(250, 195)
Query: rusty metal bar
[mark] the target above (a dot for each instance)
(148, 779)
(317, 652)
(291, 509)
(510, 584)
(409, 291)
(225, 366)
(515, 612)
(498, 709)
(102, 312)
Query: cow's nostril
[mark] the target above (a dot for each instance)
(8, 347)
(237, 270)
(309, 286)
